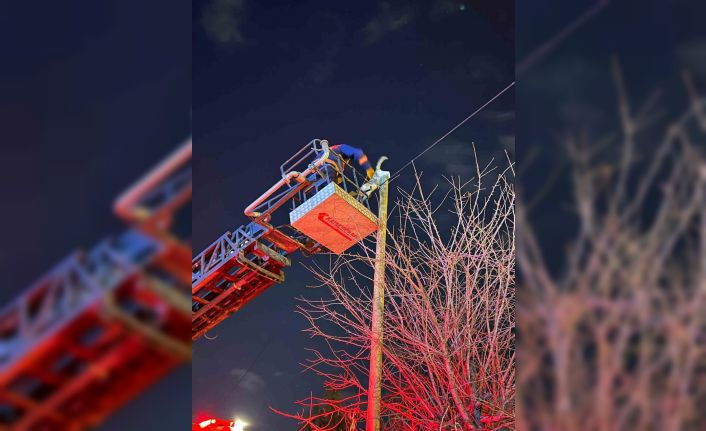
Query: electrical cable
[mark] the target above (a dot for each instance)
(473, 114)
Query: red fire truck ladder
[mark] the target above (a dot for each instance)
(327, 211)
(105, 323)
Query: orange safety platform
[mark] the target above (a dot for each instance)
(333, 218)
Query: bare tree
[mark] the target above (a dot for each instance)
(616, 340)
(448, 358)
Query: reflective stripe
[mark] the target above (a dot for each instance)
(334, 164)
(363, 160)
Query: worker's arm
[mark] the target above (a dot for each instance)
(357, 155)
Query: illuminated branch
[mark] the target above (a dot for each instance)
(449, 361)
(617, 339)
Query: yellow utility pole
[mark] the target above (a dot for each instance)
(375, 383)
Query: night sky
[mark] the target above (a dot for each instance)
(92, 95)
(572, 89)
(390, 77)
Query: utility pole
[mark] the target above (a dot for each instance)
(375, 383)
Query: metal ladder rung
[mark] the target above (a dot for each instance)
(281, 239)
(277, 278)
(285, 261)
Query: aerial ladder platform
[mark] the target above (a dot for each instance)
(106, 322)
(328, 210)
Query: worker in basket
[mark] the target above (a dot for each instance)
(345, 154)
(356, 158)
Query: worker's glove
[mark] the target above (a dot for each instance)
(374, 183)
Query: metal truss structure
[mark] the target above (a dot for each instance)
(105, 323)
(243, 263)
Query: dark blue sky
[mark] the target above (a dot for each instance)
(92, 94)
(572, 88)
(390, 77)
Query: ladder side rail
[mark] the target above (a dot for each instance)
(128, 205)
(172, 193)
(38, 324)
(67, 291)
(301, 156)
(268, 206)
(207, 321)
(221, 251)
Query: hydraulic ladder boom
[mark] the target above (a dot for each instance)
(106, 323)
(240, 265)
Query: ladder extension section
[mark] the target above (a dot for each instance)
(232, 271)
(90, 336)
(105, 324)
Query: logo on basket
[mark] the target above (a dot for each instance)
(338, 227)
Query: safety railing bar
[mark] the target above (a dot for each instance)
(309, 148)
(269, 202)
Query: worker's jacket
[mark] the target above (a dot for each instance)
(356, 155)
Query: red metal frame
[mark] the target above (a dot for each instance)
(105, 324)
(240, 265)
